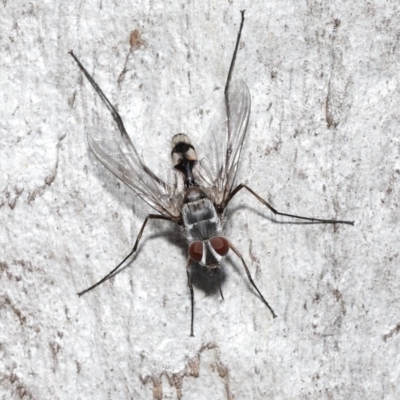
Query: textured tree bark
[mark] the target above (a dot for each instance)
(323, 141)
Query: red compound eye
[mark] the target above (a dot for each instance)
(220, 245)
(196, 251)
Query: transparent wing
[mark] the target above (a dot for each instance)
(217, 170)
(122, 159)
(116, 152)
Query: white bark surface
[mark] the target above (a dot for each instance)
(323, 141)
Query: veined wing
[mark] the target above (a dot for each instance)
(117, 153)
(217, 171)
(122, 159)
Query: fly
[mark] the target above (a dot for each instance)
(197, 203)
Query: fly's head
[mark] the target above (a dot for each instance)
(209, 253)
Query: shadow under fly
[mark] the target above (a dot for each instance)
(202, 189)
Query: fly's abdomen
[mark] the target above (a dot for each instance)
(184, 157)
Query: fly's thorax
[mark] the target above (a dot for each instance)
(199, 216)
(193, 194)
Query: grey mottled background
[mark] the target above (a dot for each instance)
(323, 141)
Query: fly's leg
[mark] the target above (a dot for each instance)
(324, 221)
(241, 186)
(228, 79)
(117, 118)
(236, 251)
(218, 273)
(191, 295)
(114, 271)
